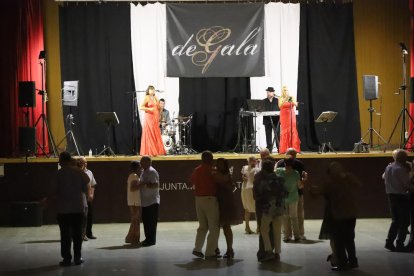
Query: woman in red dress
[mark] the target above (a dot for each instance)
(151, 142)
(289, 137)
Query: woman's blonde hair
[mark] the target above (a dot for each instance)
(150, 87)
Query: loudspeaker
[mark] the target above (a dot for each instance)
(27, 95)
(370, 87)
(27, 139)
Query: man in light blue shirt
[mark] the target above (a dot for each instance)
(150, 200)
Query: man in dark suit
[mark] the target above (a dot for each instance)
(270, 122)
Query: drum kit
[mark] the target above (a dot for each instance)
(176, 135)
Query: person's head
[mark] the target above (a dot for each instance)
(335, 169)
(135, 166)
(264, 153)
(285, 92)
(268, 165)
(65, 158)
(150, 90)
(222, 165)
(162, 103)
(288, 164)
(291, 152)
(81, 162)
(252, 161)
(145, 162)
(207, 157)
(400, 156)
(270, 92)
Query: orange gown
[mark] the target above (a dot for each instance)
(151, 142)
(289, 137)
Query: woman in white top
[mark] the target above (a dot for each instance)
(248, 172)
(134, 203)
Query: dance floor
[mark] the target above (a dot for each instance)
(36, 251)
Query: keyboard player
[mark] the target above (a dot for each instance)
(270, 122)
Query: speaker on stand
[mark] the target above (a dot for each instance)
(370, 85)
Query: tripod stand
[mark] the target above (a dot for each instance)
(42, 117)
(70, 136)
(404, 112)
(371, 131)
(325, 118)
(110, 119)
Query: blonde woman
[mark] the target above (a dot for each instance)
(151, 142)
(134, 203)
(289, 137)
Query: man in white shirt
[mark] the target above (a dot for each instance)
(89, 197)
(150, 200)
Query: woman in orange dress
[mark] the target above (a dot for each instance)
(151, 142)
(289, 137)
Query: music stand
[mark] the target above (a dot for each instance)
(110, 119)
(326, 117)
(255, 105)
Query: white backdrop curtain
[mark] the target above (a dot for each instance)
(281, 56)
(148, 42)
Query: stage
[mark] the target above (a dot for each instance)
(28, 181)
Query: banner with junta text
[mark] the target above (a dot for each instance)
(215, 40)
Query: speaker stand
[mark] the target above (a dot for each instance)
(371, 131)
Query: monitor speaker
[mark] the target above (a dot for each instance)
(370, 87)
(27, 95)
(27, 139)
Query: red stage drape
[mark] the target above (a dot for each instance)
(21, 30)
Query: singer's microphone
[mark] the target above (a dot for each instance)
(403, 48)
(290, 99)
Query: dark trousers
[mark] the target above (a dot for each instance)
(150, 220)
(400, 215)
(70, 230)
(269, 140)
(89, 220)
(343, 236)
(412, 218)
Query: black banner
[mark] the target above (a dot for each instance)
(215, 40)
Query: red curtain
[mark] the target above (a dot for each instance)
(410, 142)
(21, 30)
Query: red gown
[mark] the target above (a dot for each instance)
(151, 142)
(289, 137)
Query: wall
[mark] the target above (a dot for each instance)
(379, 26)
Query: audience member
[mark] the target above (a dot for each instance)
(89, 199)
(227, 207)
(71, 184)
(270, 192)
(292, 182)
(248, 172)
(150, 200)
(134, 203)
(300, 168)
(397, 185)
(262, 175)
(341, 188)
(207, 208)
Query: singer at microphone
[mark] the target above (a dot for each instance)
(289, 137)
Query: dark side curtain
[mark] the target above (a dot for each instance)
(95, 48)
(327, 75)
(22, 40)
(410, 144)
(215, 105)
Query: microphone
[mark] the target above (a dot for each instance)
(290, 99)
(403, 48)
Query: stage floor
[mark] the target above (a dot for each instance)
(227, 155)
(36, 251)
